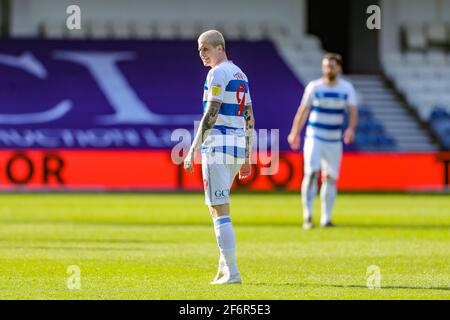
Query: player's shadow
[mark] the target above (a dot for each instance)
(352, 286)
(390, 287)
(86, 244)
(208, 223)
(394, 226)
(62, 248)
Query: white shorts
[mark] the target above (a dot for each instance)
(322, 155)
(218, 178)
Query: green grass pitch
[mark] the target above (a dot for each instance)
(162, 246)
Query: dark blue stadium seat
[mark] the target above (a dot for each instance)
(440, 124)
(371, 135)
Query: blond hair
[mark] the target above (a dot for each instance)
(212, 37)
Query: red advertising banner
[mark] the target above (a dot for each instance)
(154, 170)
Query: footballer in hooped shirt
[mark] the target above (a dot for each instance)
(224, 136)
(322, 109)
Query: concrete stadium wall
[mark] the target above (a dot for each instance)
(27, 14)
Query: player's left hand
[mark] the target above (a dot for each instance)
(189, 162)
(349, 135)
(245, 171)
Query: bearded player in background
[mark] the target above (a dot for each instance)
(324, 103)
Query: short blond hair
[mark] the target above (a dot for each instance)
(212, 37)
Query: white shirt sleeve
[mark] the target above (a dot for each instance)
(308, 95)
(351, 99)
(216, 85)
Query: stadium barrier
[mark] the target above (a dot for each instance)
(153, 170)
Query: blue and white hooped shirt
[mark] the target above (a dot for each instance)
(226, 83)
(328, 105)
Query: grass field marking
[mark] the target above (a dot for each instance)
(74, 280)
(373, 274)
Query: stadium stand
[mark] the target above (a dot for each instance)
(440, 123)
(420, 70)
(131, 103)
(303, 55)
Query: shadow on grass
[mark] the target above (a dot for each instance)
(394, 226)
(311, 285)
(344, 226)
(74, 248)
(84, 240)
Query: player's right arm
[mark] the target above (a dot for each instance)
(206, 124)
(300, 118)
(215, 95)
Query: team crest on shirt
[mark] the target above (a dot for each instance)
(215, 90)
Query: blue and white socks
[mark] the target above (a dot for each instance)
(328, 193)
(226, 242)
(309, 190)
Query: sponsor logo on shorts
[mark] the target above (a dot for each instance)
(222, 193)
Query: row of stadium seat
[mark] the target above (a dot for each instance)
(423, 78)
(163, 30)
(421, 36)
(303, 55)
(425, 73)
(410, 58)
(440, 124)
(371, 135)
